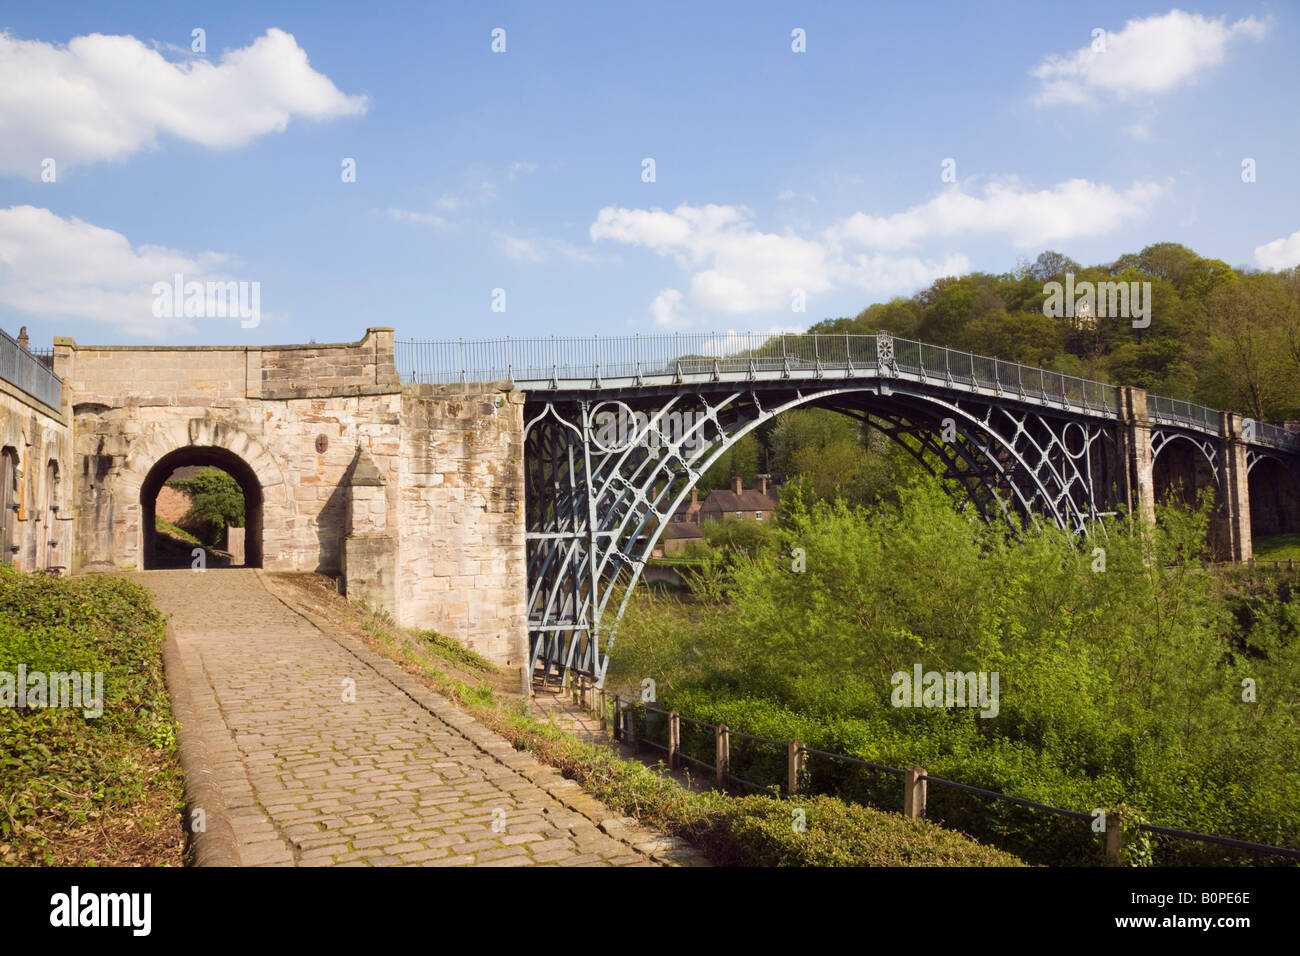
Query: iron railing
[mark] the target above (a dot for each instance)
(1173, 411)
(572, 363)
(554, 363)
(26, 371)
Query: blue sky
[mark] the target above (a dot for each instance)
(820, 171)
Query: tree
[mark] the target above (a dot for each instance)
(1051, 265)
(216, 503)
(1252, 364)
(741, 461)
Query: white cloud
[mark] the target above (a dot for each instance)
(1070, 210)
(667, 307)
(57, 268)
(106, 97)
(519, 169)
(1280, 253)
(419, 218)
(544, 248)
(731, 342)
(737, 268)
(1147, 57)
(479, 194)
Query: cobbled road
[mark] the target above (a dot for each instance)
(322, 753)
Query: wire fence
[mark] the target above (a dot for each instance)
(27, 371)
(740, 762)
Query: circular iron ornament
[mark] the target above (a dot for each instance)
(622, 420)
(322, 442)
(1075, 442)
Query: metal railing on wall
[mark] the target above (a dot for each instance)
(567, 362)
(789, 767)
(570, 362)
(28, 372)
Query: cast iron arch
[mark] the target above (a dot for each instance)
(595, 511)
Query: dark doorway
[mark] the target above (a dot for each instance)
(191, 458)
(8, 505)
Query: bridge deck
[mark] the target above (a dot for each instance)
(608, 366)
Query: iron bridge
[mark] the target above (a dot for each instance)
(618, 431)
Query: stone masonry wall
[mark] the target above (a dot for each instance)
(37, 532)
(294, 419)
(132, 406)
(461, 526)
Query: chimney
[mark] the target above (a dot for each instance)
(22, 338)
(735, 485)
(695, 497)
(762, 485)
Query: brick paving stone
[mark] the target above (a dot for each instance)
(313, 780)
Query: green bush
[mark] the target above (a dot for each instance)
(1122, 685)
(216, 503)
(60, 770)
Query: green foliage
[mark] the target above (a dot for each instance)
(1277, 547)
(179, 534)
(216, 503)
(740, 537)
(1116, 686)
(740, 460)
(61, 770)
(752, 830)
(1216, 337)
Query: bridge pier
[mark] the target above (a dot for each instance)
(1135, 452)
(1230, 525)
(1234, 488)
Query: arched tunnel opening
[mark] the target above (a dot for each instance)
(166, 544)
(1180, 474)
(1274, 499)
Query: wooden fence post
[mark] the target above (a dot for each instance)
(723, 761)
(794, 756)
(914, 792)
(618, 719)
(674, 738)
(604, 709)
(1114, 839)
(629, 728)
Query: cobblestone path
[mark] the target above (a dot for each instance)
(396, 776)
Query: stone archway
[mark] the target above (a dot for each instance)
(207, 441)
(213, 457)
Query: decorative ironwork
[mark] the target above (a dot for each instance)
(596, 505)
(885, 355)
